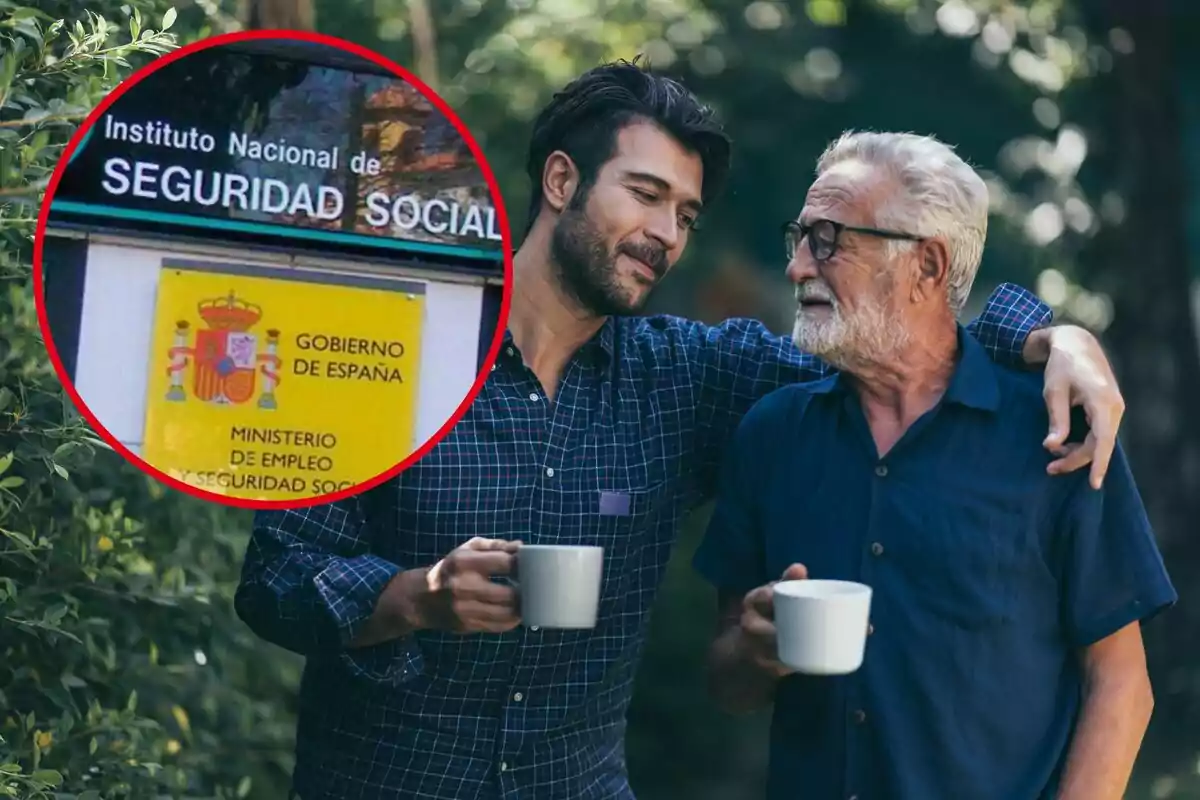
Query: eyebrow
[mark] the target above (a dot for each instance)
(647, 177)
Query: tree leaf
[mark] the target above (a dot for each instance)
(55, 615)
(73, 682)
(65, 449)
(17, 536)
(169, 18)
(25, 12)
(49, 777)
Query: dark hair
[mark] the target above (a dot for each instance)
(584, 118)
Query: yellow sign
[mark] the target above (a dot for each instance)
(280, 389)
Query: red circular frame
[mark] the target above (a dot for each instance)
(396, 69)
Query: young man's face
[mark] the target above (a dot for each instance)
(618, 239)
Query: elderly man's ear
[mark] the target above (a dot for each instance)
(935, 267)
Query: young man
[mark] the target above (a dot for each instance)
(596, 426)
(1004, 658)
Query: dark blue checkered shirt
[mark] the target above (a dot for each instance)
(644, 410)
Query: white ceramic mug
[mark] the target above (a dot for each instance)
(559, 585)
(821, 625)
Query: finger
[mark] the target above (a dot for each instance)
(436, 575)
(467, 584)
(1074, 457)
(483, 617)
(1103, 440)
(1058, 405)
(485, 562)
(761, 602)
(495, 594)
(796, 572)
(758, 627)
(774, 666)
(480, 544)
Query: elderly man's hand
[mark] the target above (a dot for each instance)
(758, 625)
(1078, 374)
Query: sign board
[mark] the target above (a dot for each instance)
(255, 143)
(273, 388)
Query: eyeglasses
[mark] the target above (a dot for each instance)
(823, 237)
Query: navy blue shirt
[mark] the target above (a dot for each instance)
(989, 576)
(631, 442)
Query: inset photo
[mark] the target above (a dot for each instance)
(273, 269)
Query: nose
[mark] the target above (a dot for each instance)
(802, 267)
(662, 227)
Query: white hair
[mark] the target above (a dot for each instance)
(939, 195)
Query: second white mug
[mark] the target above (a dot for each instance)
(821, 625)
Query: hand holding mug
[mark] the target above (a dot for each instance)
(462, 597)
(758, 624)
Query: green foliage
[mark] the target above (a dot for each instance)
(123, 670)
(52, 74)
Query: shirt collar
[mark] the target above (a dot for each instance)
(601, 343)
(973, 384)
(605, 337)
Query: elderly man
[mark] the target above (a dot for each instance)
(1004, 658)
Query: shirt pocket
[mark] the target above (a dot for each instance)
(633, 526)
(971, 562)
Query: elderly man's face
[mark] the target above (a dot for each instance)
(846, 310)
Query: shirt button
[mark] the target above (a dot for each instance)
(549, 472)
(504, 766)
(509, 350)
(518, 697)
(860, 716)
(881, 470)
(534, 396)
(533, 627)
(877, 549)
(870, 629)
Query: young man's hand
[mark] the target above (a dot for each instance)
(1078, 374)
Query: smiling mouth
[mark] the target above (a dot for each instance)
(644, 270)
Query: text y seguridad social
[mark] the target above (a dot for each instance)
(175, 183)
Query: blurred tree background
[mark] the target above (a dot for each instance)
(123, 670)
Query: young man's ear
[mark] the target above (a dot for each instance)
(560, 181)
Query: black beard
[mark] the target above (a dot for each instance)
(587, 268)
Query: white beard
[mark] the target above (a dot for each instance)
(871, 336)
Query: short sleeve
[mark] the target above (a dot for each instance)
(731, 556)
(1112, 572)
(1009, 316)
